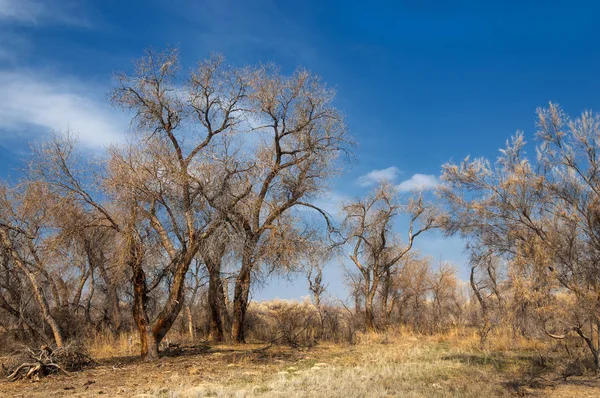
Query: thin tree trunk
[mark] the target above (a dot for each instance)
(485, 328)
(88, 306)
(190, 322)
(39, 294)
(370, 291)
(385, 293)
(77, 297)
(37, 291)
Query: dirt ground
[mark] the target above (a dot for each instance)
(410, 368)
(184, 368)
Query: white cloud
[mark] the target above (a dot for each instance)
(418, 182)
(378, 176)
(21, 10)
(36, 12)
(33, 102)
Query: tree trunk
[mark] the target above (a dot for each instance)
(242, 290)
(370, 291)
(39, 294)
(369, 314)
(387, 302)
(148, 349)
(240, 304)
(224, 299)
(485, 326)
(190, 322)
(88, 305)
(215, 294)
(77, 296)
(112, 296)
(357, 305)
(174, 304)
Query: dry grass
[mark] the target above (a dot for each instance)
(382, 365)
(408, 369)
(106, 345)
(379, 365)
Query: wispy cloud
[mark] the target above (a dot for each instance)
(332, 203)
(422, 182)
(38, 12)
(34, 104)
(378, 176)
(21, 10)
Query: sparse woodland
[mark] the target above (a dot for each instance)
(161, 240)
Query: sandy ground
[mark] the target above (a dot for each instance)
(256, 370)
(128, 376)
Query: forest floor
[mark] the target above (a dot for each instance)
(402, 366)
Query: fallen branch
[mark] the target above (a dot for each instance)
(34, 364)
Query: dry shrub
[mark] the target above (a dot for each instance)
(35, 363)
(105, 344)
(296, 323)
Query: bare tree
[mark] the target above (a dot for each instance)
(445, 306)
(368, 229)
(173, 180)
(540, 216)
(25, 225)
(219, 164)
(164, 189)
(412, 286)
(300, 136)
(212, 254)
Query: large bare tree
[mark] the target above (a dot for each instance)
(298, 136)
(172, 185)
(179, 178)
(541, 216)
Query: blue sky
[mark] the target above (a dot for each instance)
(421, 82)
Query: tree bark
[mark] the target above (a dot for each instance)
(39, 295)
(369, 312)
(174, 304)
(370, 291)
(385, 294)
(190, 322)
(240, 304)
(241, 292)
(224, 299)
(148, 349)
(215, 297)
(112, 296)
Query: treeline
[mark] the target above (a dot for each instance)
(215, 190)
(222, 167)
